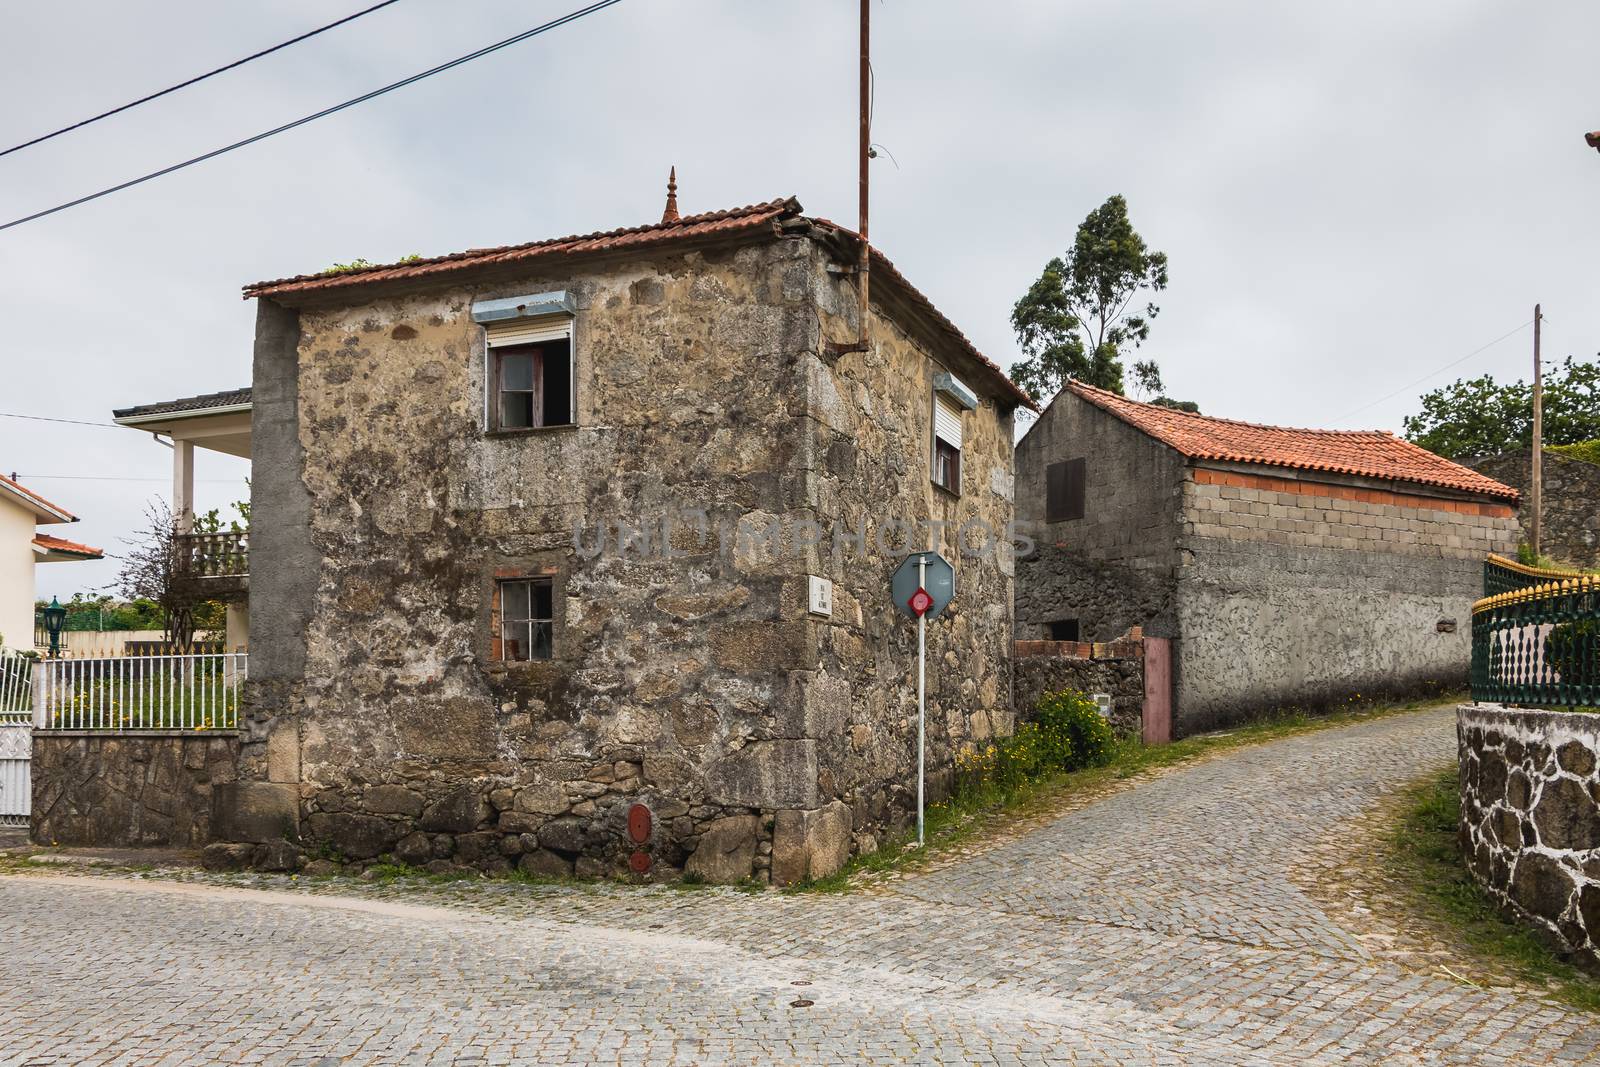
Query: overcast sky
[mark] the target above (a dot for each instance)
(1352, 195)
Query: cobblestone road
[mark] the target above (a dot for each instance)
(1160, 925)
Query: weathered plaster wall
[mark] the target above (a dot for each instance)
(693, 682)
(1113, 569)
(134, 789)
(1530, 817)
(1571, 519)
(1307, 595)
(17, 527)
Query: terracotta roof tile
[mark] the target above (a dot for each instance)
(628, 238)
(35, 498)
(57, 544)
(1368, 453)
(670, 228)
(228, 399)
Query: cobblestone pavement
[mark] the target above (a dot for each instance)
(1159, 925)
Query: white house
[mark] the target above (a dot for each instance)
(22, 511)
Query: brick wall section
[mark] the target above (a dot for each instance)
(1303, 514)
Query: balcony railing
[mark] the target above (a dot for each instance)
(214, 555)
(1539, 646)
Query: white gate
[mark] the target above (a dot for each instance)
(16, 737)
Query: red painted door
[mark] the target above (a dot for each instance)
(1157, 690)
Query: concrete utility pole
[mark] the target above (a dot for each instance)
(1538, 436)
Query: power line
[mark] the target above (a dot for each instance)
(1431, 374)
(194, 80)
(72, 422)
(112, 478)
(325, 112)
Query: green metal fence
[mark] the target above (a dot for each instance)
(1539, 645)
(1502, 575)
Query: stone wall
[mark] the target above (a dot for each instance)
(1041, 668)
(134, 789)
(689, 678)
(1113, 569)
(1530, 817)
(1571, 533)
(872, 418)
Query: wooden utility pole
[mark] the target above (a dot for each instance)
(864, 264)
(1538, 437)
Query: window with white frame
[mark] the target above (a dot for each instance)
(951, 400)
(526, 610)
(530, 380)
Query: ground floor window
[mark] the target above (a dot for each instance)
(526, 609)
(1064, 630)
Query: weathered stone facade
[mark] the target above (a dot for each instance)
(687, 673)
(1571, 513)
(1281, 587)
(1043, 668)
(1530, 817)
(135, 789)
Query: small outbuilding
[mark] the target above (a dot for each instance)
(1289, 567)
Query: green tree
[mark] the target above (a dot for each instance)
(1470, 418)
(1077, 320)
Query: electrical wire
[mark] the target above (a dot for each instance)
(1430, 374)
(325, 112)
(194, 80)
(72, 422)
(112, 478)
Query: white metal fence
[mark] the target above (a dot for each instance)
(16, 737)
(16, 685)
(196, 691)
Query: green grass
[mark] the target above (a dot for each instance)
(1424, 856)
(954, 822)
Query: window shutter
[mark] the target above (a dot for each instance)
(529, 331)
(1064, 490)
(947, 421)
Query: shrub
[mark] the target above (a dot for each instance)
(1075, 733)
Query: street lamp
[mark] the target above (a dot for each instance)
(55, 616)
(1593, 140)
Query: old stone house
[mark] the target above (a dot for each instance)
(546, 532)
(1289, 567)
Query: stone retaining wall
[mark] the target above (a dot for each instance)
(1116, 667)
(1530, 817)
(135, 789)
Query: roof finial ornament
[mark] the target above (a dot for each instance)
(671, 213)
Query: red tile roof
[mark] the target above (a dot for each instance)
(670, 229)
(1368, 453)
(34, 498)
(57, 544)
(626, 239)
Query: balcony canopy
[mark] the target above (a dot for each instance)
(218, 421)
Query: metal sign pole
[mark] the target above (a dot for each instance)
(922, 659)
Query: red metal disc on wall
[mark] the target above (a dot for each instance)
(640, 862)
(639, 823)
